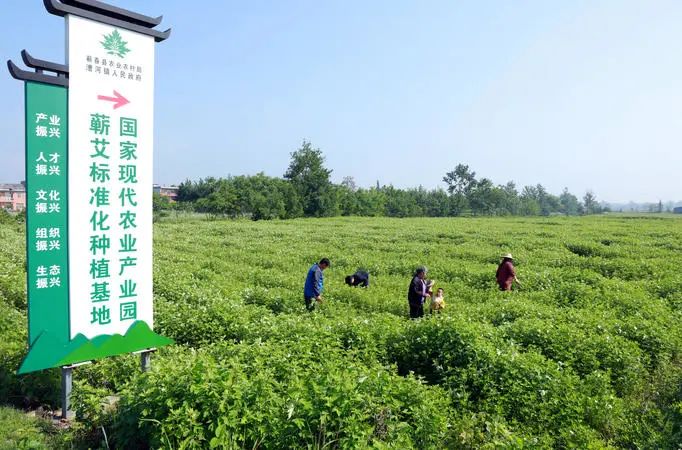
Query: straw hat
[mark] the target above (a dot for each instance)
(508, 255)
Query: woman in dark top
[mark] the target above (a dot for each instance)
(417, 293)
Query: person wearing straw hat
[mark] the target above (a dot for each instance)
(506, 274)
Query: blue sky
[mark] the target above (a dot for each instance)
(577, 94)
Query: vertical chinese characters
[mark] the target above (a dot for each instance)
(46, 169)
(113, 185)
(127, 176)
(100, 239)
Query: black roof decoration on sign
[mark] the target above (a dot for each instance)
(115, 12)
(35, 63)
(88, 9)
(59, 79)
(111, 15)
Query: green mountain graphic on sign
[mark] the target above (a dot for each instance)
(114, 44)
(47, 351)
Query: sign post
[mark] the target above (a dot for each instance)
(67, 384)
(89, 152)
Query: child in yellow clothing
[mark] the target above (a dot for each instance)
(438, 302)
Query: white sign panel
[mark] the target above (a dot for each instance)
(111, 90)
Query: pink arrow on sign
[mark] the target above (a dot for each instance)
(117, 99)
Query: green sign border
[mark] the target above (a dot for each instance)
(48, 308)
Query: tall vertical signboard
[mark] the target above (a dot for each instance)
(89, 148)
(111, 94)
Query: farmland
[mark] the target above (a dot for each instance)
(587, 354)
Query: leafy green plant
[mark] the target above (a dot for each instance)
(586, 354)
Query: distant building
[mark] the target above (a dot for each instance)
(677, 210)
(170, 192)
(13, 197)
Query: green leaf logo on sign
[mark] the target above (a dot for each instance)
(114, 44)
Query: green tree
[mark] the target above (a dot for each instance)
(160, 206)
(590, 203)
(512, 203)
(530, 205)
(190, 191)
(460, 183)
(310, 179)
(349, 183)
(437, 204)
(548, 202)
(569, 203)
(347, 200)
(260, 196)
(461, 180)
(292, 202)
(487, 199)
(224, 201)
(160, 203)
(371, 202)
(399, 203)
(545, 202)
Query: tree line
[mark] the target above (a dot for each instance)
(306, 190)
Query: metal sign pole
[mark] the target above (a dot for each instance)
(146, 359)
(67, 383)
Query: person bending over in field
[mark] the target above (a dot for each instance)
(314, 284)
(417, 293)
(438, 302)
(506, 274)
(359, 278)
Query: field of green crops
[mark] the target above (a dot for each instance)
(587, 354)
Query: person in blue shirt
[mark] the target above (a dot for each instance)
(314, 284)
